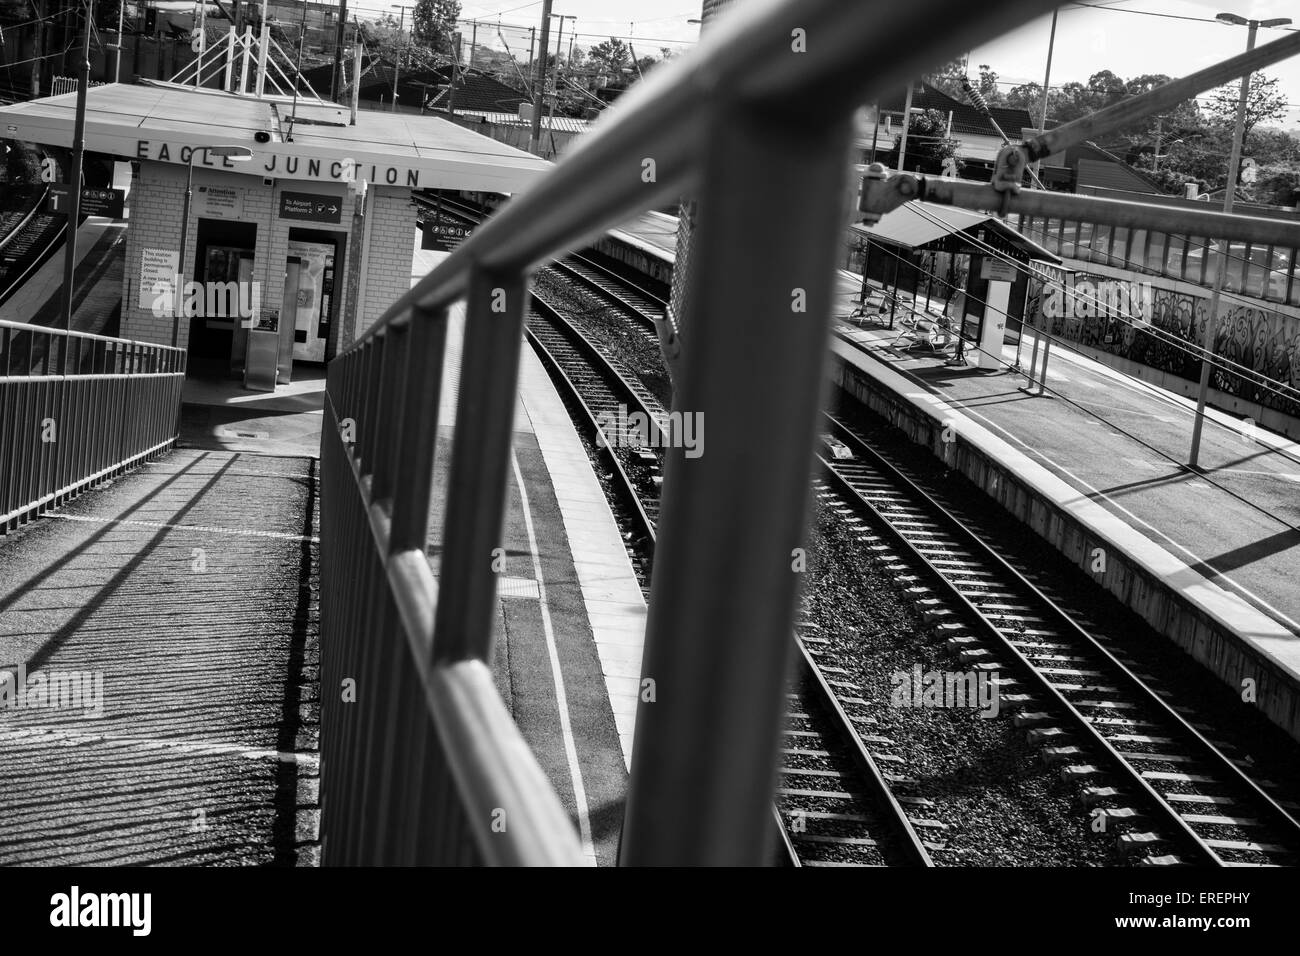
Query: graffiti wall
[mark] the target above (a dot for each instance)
(1153, 323)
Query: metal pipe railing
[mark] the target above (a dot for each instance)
(420, 761)
(77, 408)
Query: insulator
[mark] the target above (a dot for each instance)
(976, 97)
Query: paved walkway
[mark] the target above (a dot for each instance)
(177, 609)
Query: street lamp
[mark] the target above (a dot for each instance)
(236, 154)
(1229, 197)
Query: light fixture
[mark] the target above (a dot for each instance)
(1233, 18)
(237, 154)
(1276, 22)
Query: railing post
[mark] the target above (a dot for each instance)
(417, 430)
(480, 465)
(723, 595)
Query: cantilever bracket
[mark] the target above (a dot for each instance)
(882, 193)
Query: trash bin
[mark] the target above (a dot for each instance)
(263, 353)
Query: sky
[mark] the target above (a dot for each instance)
(1120, 35)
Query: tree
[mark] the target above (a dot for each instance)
(928, 146)
(1264, 104)
(433, 23)
(610, 56)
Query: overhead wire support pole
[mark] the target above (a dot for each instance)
(1047, 80)
(539, 83)
(1212, 320)
(74, 184)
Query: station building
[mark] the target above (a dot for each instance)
(315, 230)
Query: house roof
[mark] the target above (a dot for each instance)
(920, 225)
(965, 118)
(475, 90)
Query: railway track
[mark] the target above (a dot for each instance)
(1145, 772)
(26, 239)
(834, 801)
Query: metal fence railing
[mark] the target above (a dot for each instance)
(76, 409)
(420, 761)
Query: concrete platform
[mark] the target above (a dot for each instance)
(570, 615)
(1207, 559)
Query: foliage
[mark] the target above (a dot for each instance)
(1264, 104)
(928, 146)
(433, 22)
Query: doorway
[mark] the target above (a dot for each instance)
(218, 335)
(313, 261)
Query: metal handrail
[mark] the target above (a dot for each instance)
(78, 410)
(765, 99)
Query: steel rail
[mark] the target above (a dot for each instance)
(1062, 618)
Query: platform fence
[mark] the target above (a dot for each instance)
(420, 761)
(76, 409)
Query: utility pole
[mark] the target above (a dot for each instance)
(1229, 197)
(907, 121)
(337, 80)
(532, 42)
(455, 75)
(117, 60)
(473, 42)
(74, 184)
(1047, 78)
(539, 86)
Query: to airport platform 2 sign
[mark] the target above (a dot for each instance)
(94, 202)
(310, 207)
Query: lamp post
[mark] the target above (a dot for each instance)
(236, 154)
(1229, 197)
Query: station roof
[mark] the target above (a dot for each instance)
(924, 225)
(159, 121)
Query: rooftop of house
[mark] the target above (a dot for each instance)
(965, 118)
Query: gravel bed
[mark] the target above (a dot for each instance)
(1001, 803)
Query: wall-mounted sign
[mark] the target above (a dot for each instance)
(335, 167)
(310, 207)
(219, 202)
(158, 269)
(94, 202)
(998, 271)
